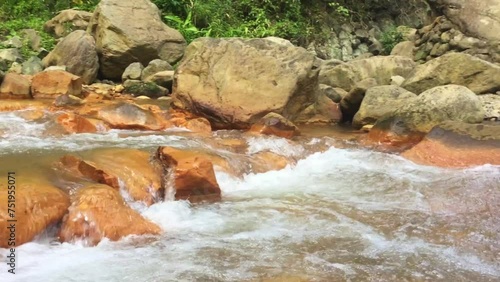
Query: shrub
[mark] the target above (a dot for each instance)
(390, 38)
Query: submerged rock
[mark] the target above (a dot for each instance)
(275, 124)
(456, 144)
(98, 211)
(233, 82)
(193, 177)
(129, 116)
(38, 204)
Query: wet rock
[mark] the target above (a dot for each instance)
(380, 101)
(324, 111)
(67, 21)
(121, 41)
(78, 53)
(50, 84)
(32, 66)
(455, 68)
(193, 177)
(456, 144)
(129, 116)
(39, 205)
(266, 161)
(73, 123)
(275, 124)
(98, 211)
(133, 72)
(155, 66)
(15, 86)
(382, 68)
(198, 125)
(220, 79)
(350, 104)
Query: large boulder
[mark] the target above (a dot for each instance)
(77, 52)
(455, 68)
(38, 204)
(457, 144)
(411, 121)
(234, 82)
(67, 21)
(193, 177)
(15, 86)
(382, 68)
(50, 84)
(98, 211)
(122, 40)
(380, 101)
(477, 18)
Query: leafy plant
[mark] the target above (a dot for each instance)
(186, 27)
(390, 38)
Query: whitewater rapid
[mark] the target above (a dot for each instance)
(338, 215)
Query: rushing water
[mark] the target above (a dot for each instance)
(344, 214)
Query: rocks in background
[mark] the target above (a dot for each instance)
(15, 86)
(140, 88)
(77, 52)
(455, 68)
(155, 66)
(380, 101)
(33, 38)
(121, 41)
(32, 66)
(67, 21)
(50, 84)
(9, 56)
(404, 49)
(382, 68)
(443, 36)
(133, 72)
(234, 82)
(491, 106)
(350, 104)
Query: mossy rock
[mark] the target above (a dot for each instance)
(148, 89)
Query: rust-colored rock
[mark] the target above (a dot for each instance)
(265, 161)
(38, 204)
(193, 176)
(275, 124)
(73, 123)
(50, 84)
(15, 86)
(99, 211)
(392, 135)
(141, 177)
(455, 144)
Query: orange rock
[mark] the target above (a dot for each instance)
(99, 211)
(50, 84)
(275, 124)
(16, 105)
(392, 136)
(31, 114)
(38, 204)
(193, 176)
(457, 145)
(198, 125)
(73, 123)
(265, 161)
(141, 178)
(15, 86)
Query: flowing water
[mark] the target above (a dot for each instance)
(342, 214)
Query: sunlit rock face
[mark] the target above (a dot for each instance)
(38, 204)
(477, 18)
(98, 211)
(455, 144)
(192, 177)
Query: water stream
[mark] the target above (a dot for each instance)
(344, 214)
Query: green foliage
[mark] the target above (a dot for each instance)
(390, 38)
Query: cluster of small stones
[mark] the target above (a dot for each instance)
(442, 36)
